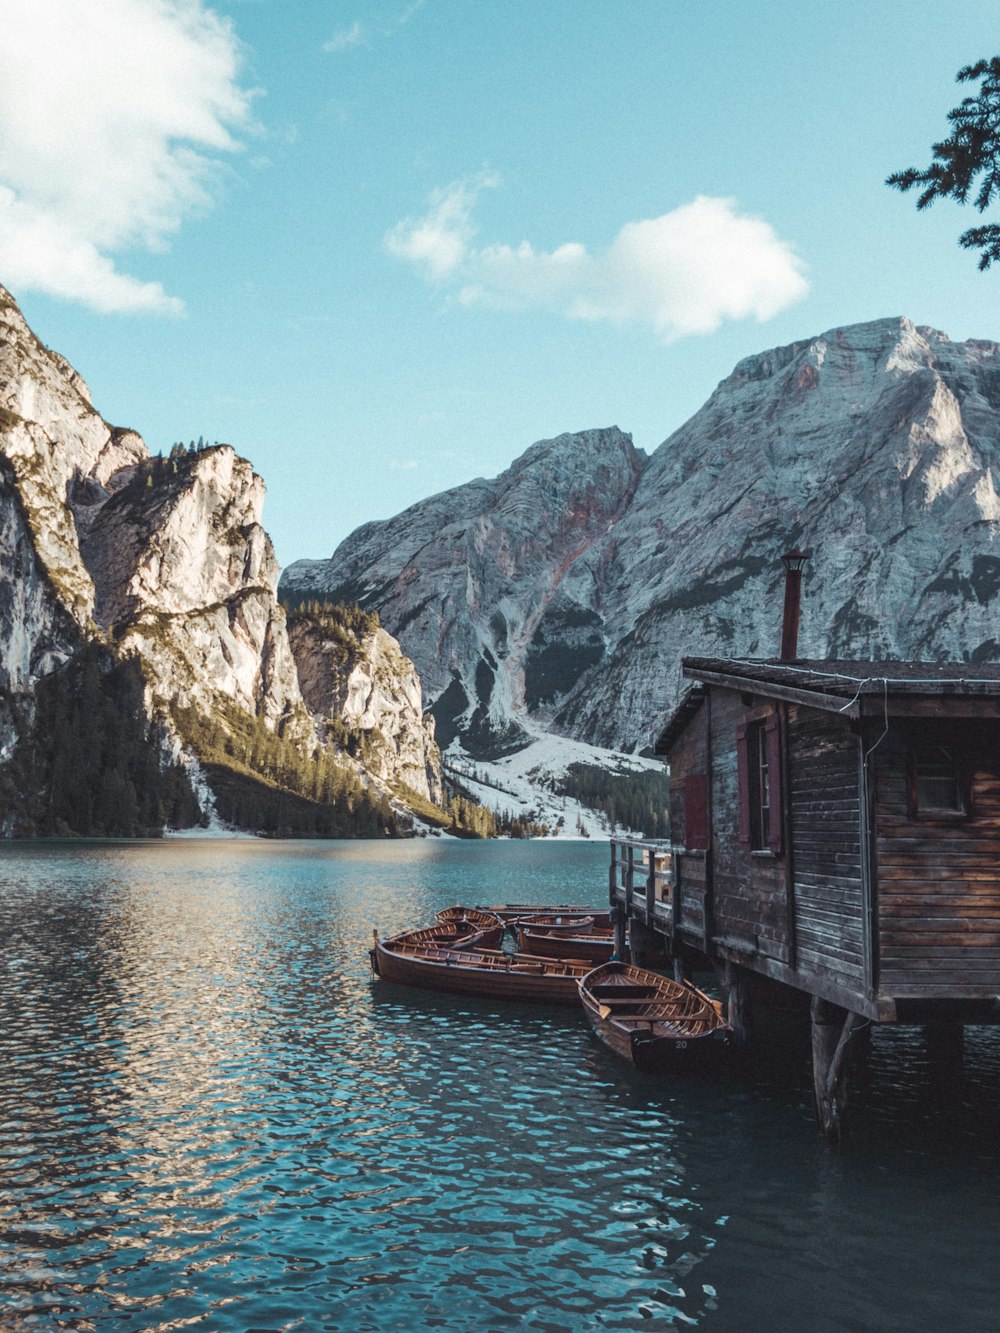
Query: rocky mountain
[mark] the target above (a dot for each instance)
(495, 588)
(367, 696)
(561, 596)
(142, 591)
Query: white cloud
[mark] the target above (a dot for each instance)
(345, 39)
(441, 240)
(112, 120)
(681, 273)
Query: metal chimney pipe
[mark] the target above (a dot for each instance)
(793, 562)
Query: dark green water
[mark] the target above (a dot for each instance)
(211, 1118)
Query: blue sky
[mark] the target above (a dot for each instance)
(382, 247)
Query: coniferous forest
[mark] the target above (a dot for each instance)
(266, 783)
(636, 801)
(91, 764)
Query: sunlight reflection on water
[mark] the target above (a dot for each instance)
(210, 1117)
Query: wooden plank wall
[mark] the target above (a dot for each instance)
(749, 891)
(939, 878)
(687, 756)
(750, 909)
(824, 784)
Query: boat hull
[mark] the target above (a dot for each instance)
(595, 948)
(488, 929)
(459, 972)
(445, 936)
(511, 912)
(660, 1026)
(556, 925)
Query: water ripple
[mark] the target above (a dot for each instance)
(211, 1118)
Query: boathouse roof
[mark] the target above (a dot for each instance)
(837, 685)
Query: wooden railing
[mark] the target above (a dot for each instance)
(641, 876)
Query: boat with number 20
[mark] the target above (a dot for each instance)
(658, 1024)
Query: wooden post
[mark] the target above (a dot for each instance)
(737, 996)
(635, 930)
(832, 1029)
(638, 941)
(651, 886)
(789, 836)
(869, 863)
(708, 903)
(620, 922)
(673, 862)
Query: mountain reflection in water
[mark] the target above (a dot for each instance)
(211, 1117)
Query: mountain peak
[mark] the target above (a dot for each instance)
(565, 593)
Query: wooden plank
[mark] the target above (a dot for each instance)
(905, 989)
(828, 985)
(742, 685)
(954, 971)
(977, 706)
(829, 926)
(942, 942)
(840, 859)
(940, 904)
(833, 932)
(840, 955)
(844, 890)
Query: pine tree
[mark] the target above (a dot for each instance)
(971, 150)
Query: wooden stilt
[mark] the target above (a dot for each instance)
(832, 1030)
(640, 940)
(620, 923)
(737, 996)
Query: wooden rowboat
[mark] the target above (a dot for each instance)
(442, 935)
(456, 927)
(488, 973)
(556, 923)
(511, 912)
(487, 926)
(658, 1024)
(596, 945)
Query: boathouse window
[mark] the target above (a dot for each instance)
(936, 785)
(758, 767)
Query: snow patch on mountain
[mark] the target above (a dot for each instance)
(522, 783)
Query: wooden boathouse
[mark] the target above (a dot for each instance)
(835, 836)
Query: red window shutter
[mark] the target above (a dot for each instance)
(696, 812)
(743, 784)
(772, 739)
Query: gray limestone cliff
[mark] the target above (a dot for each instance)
(367, 695)
(161, 562)
(165, 558)
(564, 594)
(495, 588)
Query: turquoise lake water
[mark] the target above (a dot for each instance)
(212, 1118)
